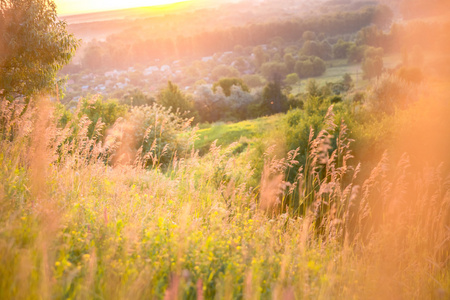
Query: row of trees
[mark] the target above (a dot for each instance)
(228, 99)
(121, 52)
(304, 67)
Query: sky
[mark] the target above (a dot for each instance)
(65, 7)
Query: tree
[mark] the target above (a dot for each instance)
(209, 105)
(372, 67)
(312, 88)
(260, 56)
(292, 79)
(34, 45)
(273, 99)
(341, 49)
(273, 70)
(224, 71)
(172, 97)
(238, 102)
(383, 15)
(241, 64)
(311, 48)
(310, 67)
(355, 53)
(390, 92)
(372, 64)
(253, 80)
(227, 83)
(309, 36)
(314, 48)
(289, 61)
(347, 82)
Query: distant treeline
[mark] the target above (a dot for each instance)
(118, 53)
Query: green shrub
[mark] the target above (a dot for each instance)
(173, 97)
(160, 134)
(372, 64)
(292, 78)
(97, 109)
(388, 93)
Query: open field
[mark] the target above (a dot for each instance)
(79, 229)
(339, 67)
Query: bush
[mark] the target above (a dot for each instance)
(372, 67)
(173, 97)
(410, 75)
(97, 109)
(388, 93)
(292, 78)
(159, 134)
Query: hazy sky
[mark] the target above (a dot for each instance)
(78, 6)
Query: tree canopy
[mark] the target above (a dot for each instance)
(173, 97)
(227, 83)
(34, 45)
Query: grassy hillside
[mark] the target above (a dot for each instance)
(342, 190)
(246, 131)
(73, 227)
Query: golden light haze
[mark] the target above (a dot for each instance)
(65, 7)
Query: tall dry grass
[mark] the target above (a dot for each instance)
(75, 226)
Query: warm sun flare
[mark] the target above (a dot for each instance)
(225, 149)
(78, 6)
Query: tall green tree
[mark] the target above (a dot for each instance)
(289, 61)
(34, 45)
(173, 97)
(273, 99)
(372, 64)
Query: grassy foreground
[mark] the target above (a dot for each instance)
(74, 227)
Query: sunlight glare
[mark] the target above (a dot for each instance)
(82, 6)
